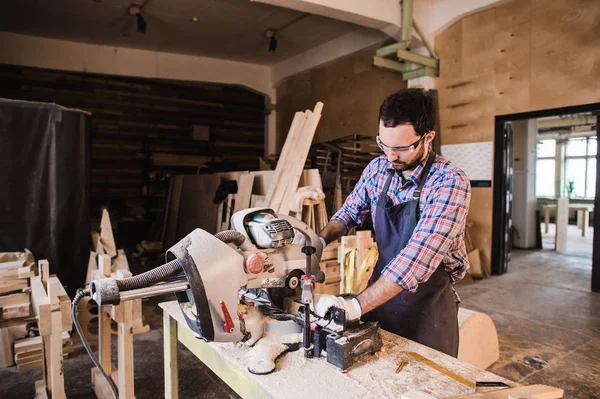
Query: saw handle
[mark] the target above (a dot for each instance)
(228, 326)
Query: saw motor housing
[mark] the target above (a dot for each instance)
(216, 270)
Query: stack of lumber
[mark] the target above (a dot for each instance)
(15, 270)
(357, 256)
(331, 267)
(290, 165)
(52, 308)
(357, 152)
(29, 353)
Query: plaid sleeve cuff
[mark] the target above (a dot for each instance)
(403, 277)
(345, 218)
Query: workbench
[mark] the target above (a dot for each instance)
(583, 215)
(374, 376)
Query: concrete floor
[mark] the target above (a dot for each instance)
(542, 308)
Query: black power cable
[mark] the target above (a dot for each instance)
(80, 294)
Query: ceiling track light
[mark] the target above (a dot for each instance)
(272, 40)
(136, 11)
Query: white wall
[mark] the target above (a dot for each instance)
(524, 200)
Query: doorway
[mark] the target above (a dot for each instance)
(573, 172)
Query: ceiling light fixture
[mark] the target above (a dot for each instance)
(272, 41)
(136, 11)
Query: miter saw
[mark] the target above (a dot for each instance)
(237, 284)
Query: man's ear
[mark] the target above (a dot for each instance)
(431, 136)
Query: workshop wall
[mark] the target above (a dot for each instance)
(142, 131)
(523, 56)
(350, 88)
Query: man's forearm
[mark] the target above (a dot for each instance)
(334, 230)
(377, 294)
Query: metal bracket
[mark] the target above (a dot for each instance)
(401, 54)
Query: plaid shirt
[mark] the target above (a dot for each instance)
(439, 234)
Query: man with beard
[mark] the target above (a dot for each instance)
(419, 203)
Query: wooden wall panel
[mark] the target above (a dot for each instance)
(522, 56)
(478, 42)
(513, 13)
(448, 47)
(142, 129)
(351, 89)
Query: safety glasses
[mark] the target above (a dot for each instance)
(399, 150)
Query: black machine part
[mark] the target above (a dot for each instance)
(344, 349)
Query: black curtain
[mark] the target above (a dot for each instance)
(44, 186)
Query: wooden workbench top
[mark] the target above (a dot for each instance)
(374, 376)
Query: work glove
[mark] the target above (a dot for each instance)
(350, 305)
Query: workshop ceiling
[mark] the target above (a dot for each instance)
(227, 29)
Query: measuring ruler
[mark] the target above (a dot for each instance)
(441, 369)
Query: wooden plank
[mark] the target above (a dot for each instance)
(54, 364)
(481, 217)
(14, 299)
(11, 264)
(277, 187)
(105, 265)
(531, 391)
(35, 344)
(104, 339)
(125, 354)
(106, 235)
(7, 288)
(65, 305)
(242, 197)
(15, 311)
(41, 305)
(6, 348)
(170, 357)
(475, 261)
(294, 172)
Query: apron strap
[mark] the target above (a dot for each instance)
(428, 163)
(386, 186)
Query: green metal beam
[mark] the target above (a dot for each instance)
(389, 64)
(424, 39)
(391, 49)
(420, 72)
(407, 18)
(418, 59)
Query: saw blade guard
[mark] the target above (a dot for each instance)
(215, 273)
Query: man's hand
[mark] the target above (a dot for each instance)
(350, 305)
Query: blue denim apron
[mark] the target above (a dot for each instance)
(429, 315)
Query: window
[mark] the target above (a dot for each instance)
(580, 167)
(545, 179)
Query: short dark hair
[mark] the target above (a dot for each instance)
(414, 106)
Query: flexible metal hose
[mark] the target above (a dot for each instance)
(151, 277)
(231, 236)
(171, 268)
